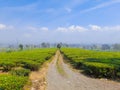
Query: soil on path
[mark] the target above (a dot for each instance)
(61, 77)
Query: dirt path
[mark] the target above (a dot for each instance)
(38, 79)
(61, 77)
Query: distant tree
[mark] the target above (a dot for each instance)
(59, 46)
(27, 46)
(94, 46)
(48, 44)
(116, 46)
(20, 46)
(66, 45)
(105, 47)
(45, 45)
(35, 46)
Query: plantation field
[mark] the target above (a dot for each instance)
(95, 63)
(17, 66)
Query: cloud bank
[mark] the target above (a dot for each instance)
(5, 27)
(71, 34)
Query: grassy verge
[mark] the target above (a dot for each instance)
(60, 66)
(39, 76)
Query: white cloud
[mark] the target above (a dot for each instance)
(80, 29)
(2, 26)
(71, 28)
(76, 28)
(113, 28)
(104, 28)
(61, 29)
(101, 6)
(6, 27)
(36, 29)
(44, 29)
(95, 27)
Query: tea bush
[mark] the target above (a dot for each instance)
(9, 82)
(20, 72)
(19, 64)
(95, 63)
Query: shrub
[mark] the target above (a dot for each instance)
(30, 60)
(95, 63)
(7, 66)
(118, 74)
(99, 69)
(33, 66)
(9, 82)
(20, 72)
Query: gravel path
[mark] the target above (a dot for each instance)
(74, 80)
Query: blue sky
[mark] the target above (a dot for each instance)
(70, 21)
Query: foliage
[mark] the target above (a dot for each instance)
(96, 63)
(29, 59)
(20, 72)
(19, 64)
(21, 47)
(9, 82)
(59, 46)
(7, 66)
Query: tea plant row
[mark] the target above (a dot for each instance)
(95, 63)
(19, 64)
